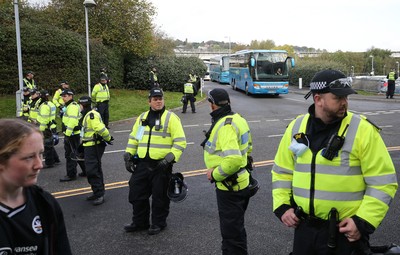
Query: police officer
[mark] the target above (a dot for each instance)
(101, 96)
(95, 135)
(47, 124)
(392, 77)
(34, 105)
(71, 130)
(156, 142)
(153, 79)
(25, 101)
(227, 146)
(57, 99)
(189, 92)
(29, 82)
(333, 178)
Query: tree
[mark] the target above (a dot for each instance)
(262, 45)
(126, 24)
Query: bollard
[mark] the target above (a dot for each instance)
(300, 83)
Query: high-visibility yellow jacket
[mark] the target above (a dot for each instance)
(169, 138)
(70, 119)
(47, 115)
(34, 110)
(392, 76)
(29, 84)
(360, 181)
(24, 111)
(57, 99)
(153, 76)
(226, 151)
(100, 93)
(188, 88)
(93, 126)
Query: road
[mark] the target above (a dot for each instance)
(193, 226)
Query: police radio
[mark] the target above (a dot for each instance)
(335, 143)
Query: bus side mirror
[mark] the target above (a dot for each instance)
(252, 62)
(292, 62)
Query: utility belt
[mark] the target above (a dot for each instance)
(232, 179)
(103, 102)
(316, 222)
(311, 221)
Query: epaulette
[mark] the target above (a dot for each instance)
(370, 122)
(228, 121)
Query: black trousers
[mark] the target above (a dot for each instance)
(145, 182)
(50, 154)
(93, 155)
(71, 146)
(312, 239)
(189, 98)
(102, 108)
(231, 208)
(390, 89)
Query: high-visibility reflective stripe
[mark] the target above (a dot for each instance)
(380, 195)
(348, 145)
(222, 173)
(178, 147)
(231, 152)
(280, 170)
(380, 180)
(179, 139)
(167, 118)
(159, 146)
(297, 124)
(131, 146)
(282, 185)
(334, 170)
(326, 195)
(157, 133)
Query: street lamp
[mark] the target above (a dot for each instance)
(18, 94)
(352, 71)
(397, 62)
(384, 69)
(88, 4)
(372, 68)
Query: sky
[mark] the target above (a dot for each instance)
(345, 25)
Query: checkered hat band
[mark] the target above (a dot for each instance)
(319, 85)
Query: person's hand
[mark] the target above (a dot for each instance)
(129, 164)
(209, 175)
(349, 229)
(290, 219)
(110, 142)
(165, 162)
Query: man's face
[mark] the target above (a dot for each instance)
(330, 107)
(29, 76)
(66, 98)
(103, 81)
(156, 103)
(35, 95)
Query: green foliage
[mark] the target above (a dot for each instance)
(172, 71)
(307, 68)
(54, 55)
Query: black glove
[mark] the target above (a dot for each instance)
(165, 162)
(110, 142)
(129, 162)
